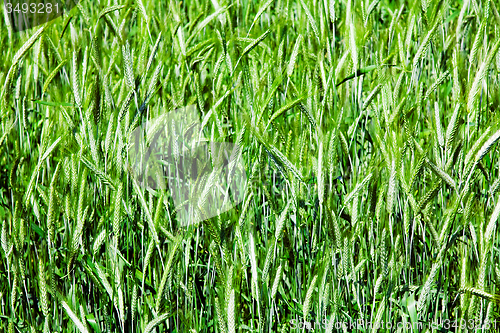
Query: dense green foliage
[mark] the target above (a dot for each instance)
(369, 136)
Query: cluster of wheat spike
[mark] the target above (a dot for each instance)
(368, 131)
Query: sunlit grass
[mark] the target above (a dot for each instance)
(368, 134)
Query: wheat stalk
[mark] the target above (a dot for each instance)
(276, 282)
(309, 293)
(479, 77)
(73, 316)
(156, 321)
(231, 320)
(293, 57)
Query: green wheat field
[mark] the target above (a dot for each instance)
(368, 131)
